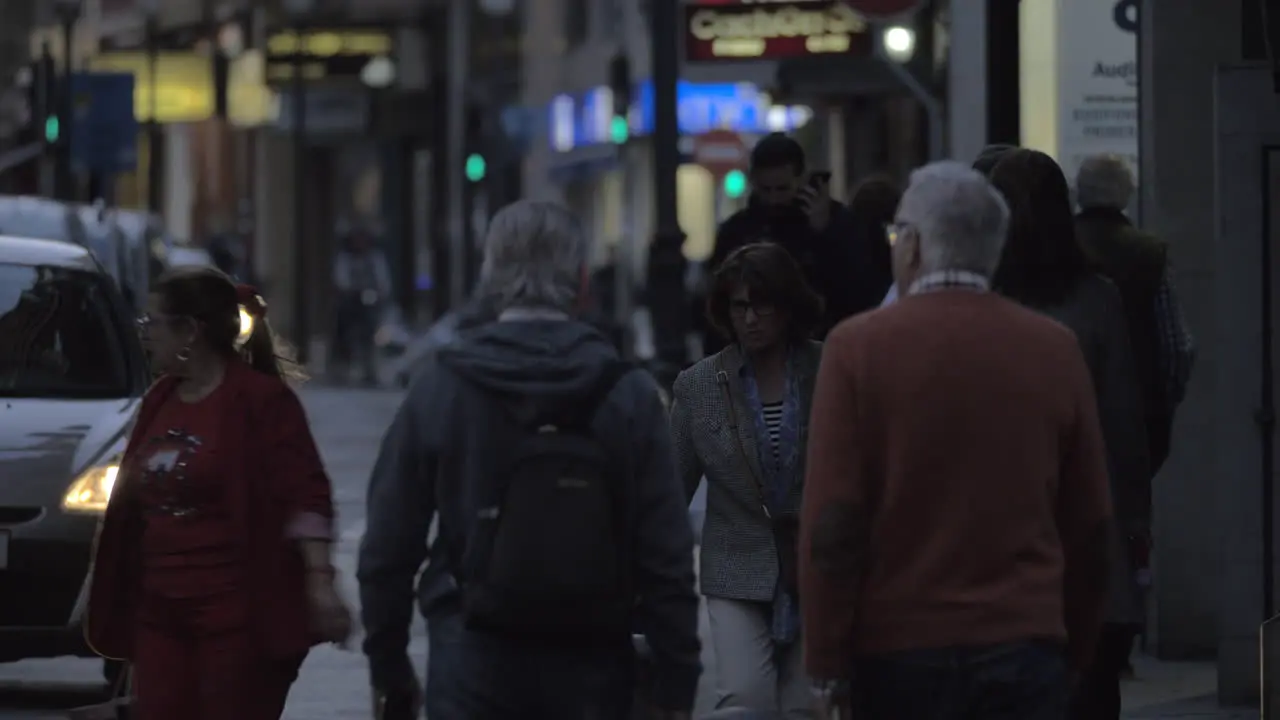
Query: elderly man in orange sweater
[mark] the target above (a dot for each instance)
(953, 543)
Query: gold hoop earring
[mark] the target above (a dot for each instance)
(183, 355)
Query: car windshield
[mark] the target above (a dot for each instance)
(59, 335)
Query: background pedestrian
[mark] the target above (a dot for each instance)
(740, 418)
(1044, 268)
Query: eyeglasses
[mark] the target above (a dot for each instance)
(739, 308)
(146, 320)
(894, 231)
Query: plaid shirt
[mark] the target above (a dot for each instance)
(949, 280)
(1177, 346)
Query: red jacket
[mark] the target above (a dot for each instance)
(956, 484)
(281, 494)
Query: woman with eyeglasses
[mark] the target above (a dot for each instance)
(740, 418)
(212, 572)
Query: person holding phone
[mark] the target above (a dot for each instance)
(792, 206)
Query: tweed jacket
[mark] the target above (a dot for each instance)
(738, 558)
(1094, 311)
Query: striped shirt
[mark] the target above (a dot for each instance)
(773, 422)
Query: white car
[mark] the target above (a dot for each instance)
(72, 376)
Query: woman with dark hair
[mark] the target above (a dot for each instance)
(872, 207)
(1043, 267)
(990, 156)
(212, 573)
(740, 418)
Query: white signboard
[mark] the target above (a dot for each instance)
(1097, 81)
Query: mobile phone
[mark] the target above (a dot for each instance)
(818, 180)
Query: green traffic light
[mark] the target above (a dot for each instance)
(618, 130)
(735, 183)
(51, 128)
(475, 167)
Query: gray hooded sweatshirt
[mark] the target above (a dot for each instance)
(439, 434)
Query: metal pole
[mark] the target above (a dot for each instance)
(48, 93)
(301, 314)
(666, 259)
(624, 257)
(63, 181)
(932, 107)
(155, 140)
(459, 49)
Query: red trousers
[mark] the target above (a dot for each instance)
(190, 664)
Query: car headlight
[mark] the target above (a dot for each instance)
(91, 491)
(246, 327)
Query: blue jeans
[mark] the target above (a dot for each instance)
(1014, 681)
(475, 676)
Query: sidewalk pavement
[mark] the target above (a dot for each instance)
(348, 425)
(1175, 690)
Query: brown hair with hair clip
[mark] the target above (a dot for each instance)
(211, 298)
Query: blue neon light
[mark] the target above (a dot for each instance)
(583, 119)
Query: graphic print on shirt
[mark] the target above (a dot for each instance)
(164, 463)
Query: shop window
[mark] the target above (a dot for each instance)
(696, 201)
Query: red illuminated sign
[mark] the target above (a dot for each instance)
(870, 8)
(883, 8)
(773, 30)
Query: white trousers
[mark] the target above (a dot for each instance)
(751, 672)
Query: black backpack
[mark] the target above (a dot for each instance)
(545, 555)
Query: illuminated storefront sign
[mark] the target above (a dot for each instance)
(184, 90)
(325, 53)
(773, 31)
(582, 120)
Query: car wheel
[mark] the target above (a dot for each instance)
(111, 671)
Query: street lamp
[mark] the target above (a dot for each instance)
(899, 43)
(298, 11)
(378, 73)
(68, 12)
(154, 137)
(896, 46)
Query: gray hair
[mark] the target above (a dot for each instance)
(961, 218)
(1104, 181)
(534, 256)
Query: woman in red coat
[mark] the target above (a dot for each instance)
(212, 571)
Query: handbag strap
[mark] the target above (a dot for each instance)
(722, 379)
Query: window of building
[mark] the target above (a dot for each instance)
(577, 21)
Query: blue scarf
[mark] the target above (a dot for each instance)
(781, 470)
(781, 473)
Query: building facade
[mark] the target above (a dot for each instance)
(853, 119)
(1202, 88)
(226, 146)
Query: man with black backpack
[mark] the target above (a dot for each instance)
(562, 526)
